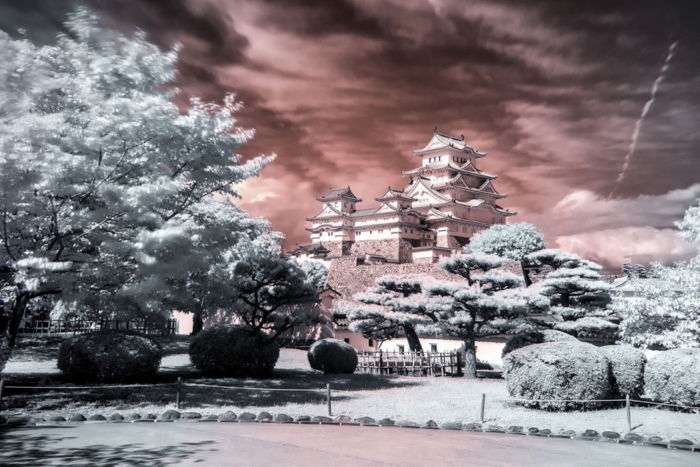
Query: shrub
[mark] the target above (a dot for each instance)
(561, 371)
(626, 370)
(332, 356)
(673, 376)
(109, 357)
(534, 337)
(588, 327)
(234, 351)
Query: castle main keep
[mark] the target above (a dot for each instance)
(445, 202)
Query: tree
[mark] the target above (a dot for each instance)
(662, 311)
(512, 241)
(577, 292)
(488, 297)
(262, 285)
(187, 265)
(316, 273)
(97, 163)
(385, 311)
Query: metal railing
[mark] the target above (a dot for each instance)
(179, 389)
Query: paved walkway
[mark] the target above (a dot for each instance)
(213, 444)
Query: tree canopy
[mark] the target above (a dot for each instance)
(105, 181)
(511, 241)
(662, 311)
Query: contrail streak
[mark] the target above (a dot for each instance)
(640, 120)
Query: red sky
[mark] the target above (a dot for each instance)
(342, 91)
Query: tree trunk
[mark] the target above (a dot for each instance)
(412, 338)
(526, 274)
(470, 359)
(9, 325)
(197, 323)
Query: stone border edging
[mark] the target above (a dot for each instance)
(170, 416)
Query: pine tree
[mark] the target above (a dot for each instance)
(512, 241)
(386, 311)
(579, 295)
(487, 297)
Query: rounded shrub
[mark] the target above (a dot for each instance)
(535, 337)
(332, 356)
(673, 376)
(234, 351)
(109, 357)
(561, 372)
(626, 370)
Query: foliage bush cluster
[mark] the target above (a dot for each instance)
(557, 372)
(626, 370)
(234, 351)
(109, 357)
(673, 376)
(575, 370)
(535, 337)
(332, 356)
(589, 326)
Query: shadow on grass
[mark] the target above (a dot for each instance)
(23, 447)
(164, 391)
(45, 347)
(37, 348)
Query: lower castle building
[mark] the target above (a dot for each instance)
(445, 202)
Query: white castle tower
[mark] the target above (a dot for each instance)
(446, 201)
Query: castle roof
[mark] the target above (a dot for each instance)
(312, 249)
(443, 141)
(394, 194)
(339, 193)
(466, 168)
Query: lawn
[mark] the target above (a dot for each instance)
(413, 398)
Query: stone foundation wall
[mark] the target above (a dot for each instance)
(348, 278)
(334, 248)
(447, 241)
(388, 248)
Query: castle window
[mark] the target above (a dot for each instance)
(371, 343)
(433, 347)
(402, 349)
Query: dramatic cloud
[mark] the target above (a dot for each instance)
(343, 90)
(616, 231)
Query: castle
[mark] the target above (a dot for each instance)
(446, 201)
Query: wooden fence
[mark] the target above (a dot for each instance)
(63, 326)
(410, 363)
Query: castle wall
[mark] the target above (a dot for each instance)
(335, 248)
(348, 278)
(390, 248)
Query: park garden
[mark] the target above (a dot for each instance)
(119, 204)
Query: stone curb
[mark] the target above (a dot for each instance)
(173, 416)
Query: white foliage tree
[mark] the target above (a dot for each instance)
(663, 310)
(101, 174)
(579, 295)
(487, 297)
(389, 310)
(512, 241)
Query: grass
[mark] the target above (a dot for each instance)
(398, 398)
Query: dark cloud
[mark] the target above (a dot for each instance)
(342, 91)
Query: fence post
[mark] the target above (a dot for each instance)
(629, 414)
(381, 363)
(328, 390)
(483, 403)
(2, 385)
(179, 389)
